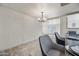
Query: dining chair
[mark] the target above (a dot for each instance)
(49, 48)
(59, 39)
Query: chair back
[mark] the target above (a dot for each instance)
(45, 44)
(72, 33)
(59, 40)
(57, 36)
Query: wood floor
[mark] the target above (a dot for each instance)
(27, 49)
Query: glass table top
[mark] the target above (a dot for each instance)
(74, 49)
(72, 46)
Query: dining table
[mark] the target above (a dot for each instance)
(72, 45)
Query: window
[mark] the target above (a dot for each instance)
(51, 26)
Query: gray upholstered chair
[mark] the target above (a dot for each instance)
(49, 48)
(72, 33)
(59, 39)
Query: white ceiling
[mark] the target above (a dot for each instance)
(50, 9)
(35, 9)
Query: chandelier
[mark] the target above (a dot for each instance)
(42, 18)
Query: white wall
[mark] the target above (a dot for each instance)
(63, 29)
(16, 28)
(63, 26)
